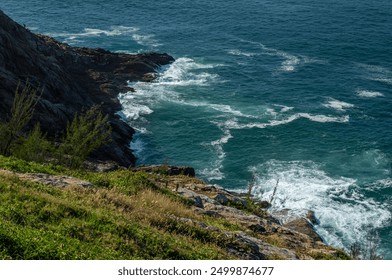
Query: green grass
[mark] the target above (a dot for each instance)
(125, 215)
(126, 219)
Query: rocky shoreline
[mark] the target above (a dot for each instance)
(266, 235)
(72, 79)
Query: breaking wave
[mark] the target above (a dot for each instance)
(344, 212)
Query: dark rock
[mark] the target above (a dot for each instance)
(263, 204)
(257, 228)
(222, 199)
(71, 79)
(167, 170)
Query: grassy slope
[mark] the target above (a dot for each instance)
(126, 219)
(124, 216)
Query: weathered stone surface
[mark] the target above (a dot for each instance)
(167, 170)
(303, 226)
(222, 199)
(49, 180)
(71, 79)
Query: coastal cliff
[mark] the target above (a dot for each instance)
(150, 212)
(71, 79)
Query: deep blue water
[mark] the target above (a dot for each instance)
(295, 90)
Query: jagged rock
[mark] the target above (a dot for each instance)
(167, 170)
(312, 217)
(258, 228)
(101, 166)
(303, 226)
(71, 79)
(222, 199)
(191, 195)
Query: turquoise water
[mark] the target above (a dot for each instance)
(295, 91)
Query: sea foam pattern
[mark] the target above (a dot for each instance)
(345, 214)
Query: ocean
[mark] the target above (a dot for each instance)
(293, 93)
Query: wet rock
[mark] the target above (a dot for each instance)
(312, 217)
(303, 226)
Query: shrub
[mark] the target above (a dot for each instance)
(22, 111)
(84, 134)
(35, 147)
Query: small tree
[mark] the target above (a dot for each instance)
(22, 111)
(84, 134)
(35, 147)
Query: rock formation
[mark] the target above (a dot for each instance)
(71, 79)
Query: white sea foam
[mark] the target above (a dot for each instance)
(384, 80)
(183, 72)
(284, 108)
(369, 94)
(148, 40)
(344, 213)
(376, 73)
(290, 61)
(232, 124)
(94, 32)
(241, 53)
(337, 105)
(213, 172)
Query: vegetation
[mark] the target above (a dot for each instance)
(22, 111)
(121, 215)
(128, 219)
(85, 133)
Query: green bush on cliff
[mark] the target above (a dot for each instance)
(85, 133)
(34, 147)
(22, 111)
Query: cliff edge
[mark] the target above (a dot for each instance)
(71, 79)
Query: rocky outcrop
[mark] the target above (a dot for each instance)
(259, 234)
(71, 79)
(57, 181)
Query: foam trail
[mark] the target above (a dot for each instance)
(315, 118)
(241, 53)
(376, 73)
(141, 39)
(214, 172)
(146, 40)
(369, 94)
(345, 214)
(94, 32)
(290, 61)
(337, 105)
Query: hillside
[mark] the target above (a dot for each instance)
(50, 212)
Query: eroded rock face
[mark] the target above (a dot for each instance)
(71, 79)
